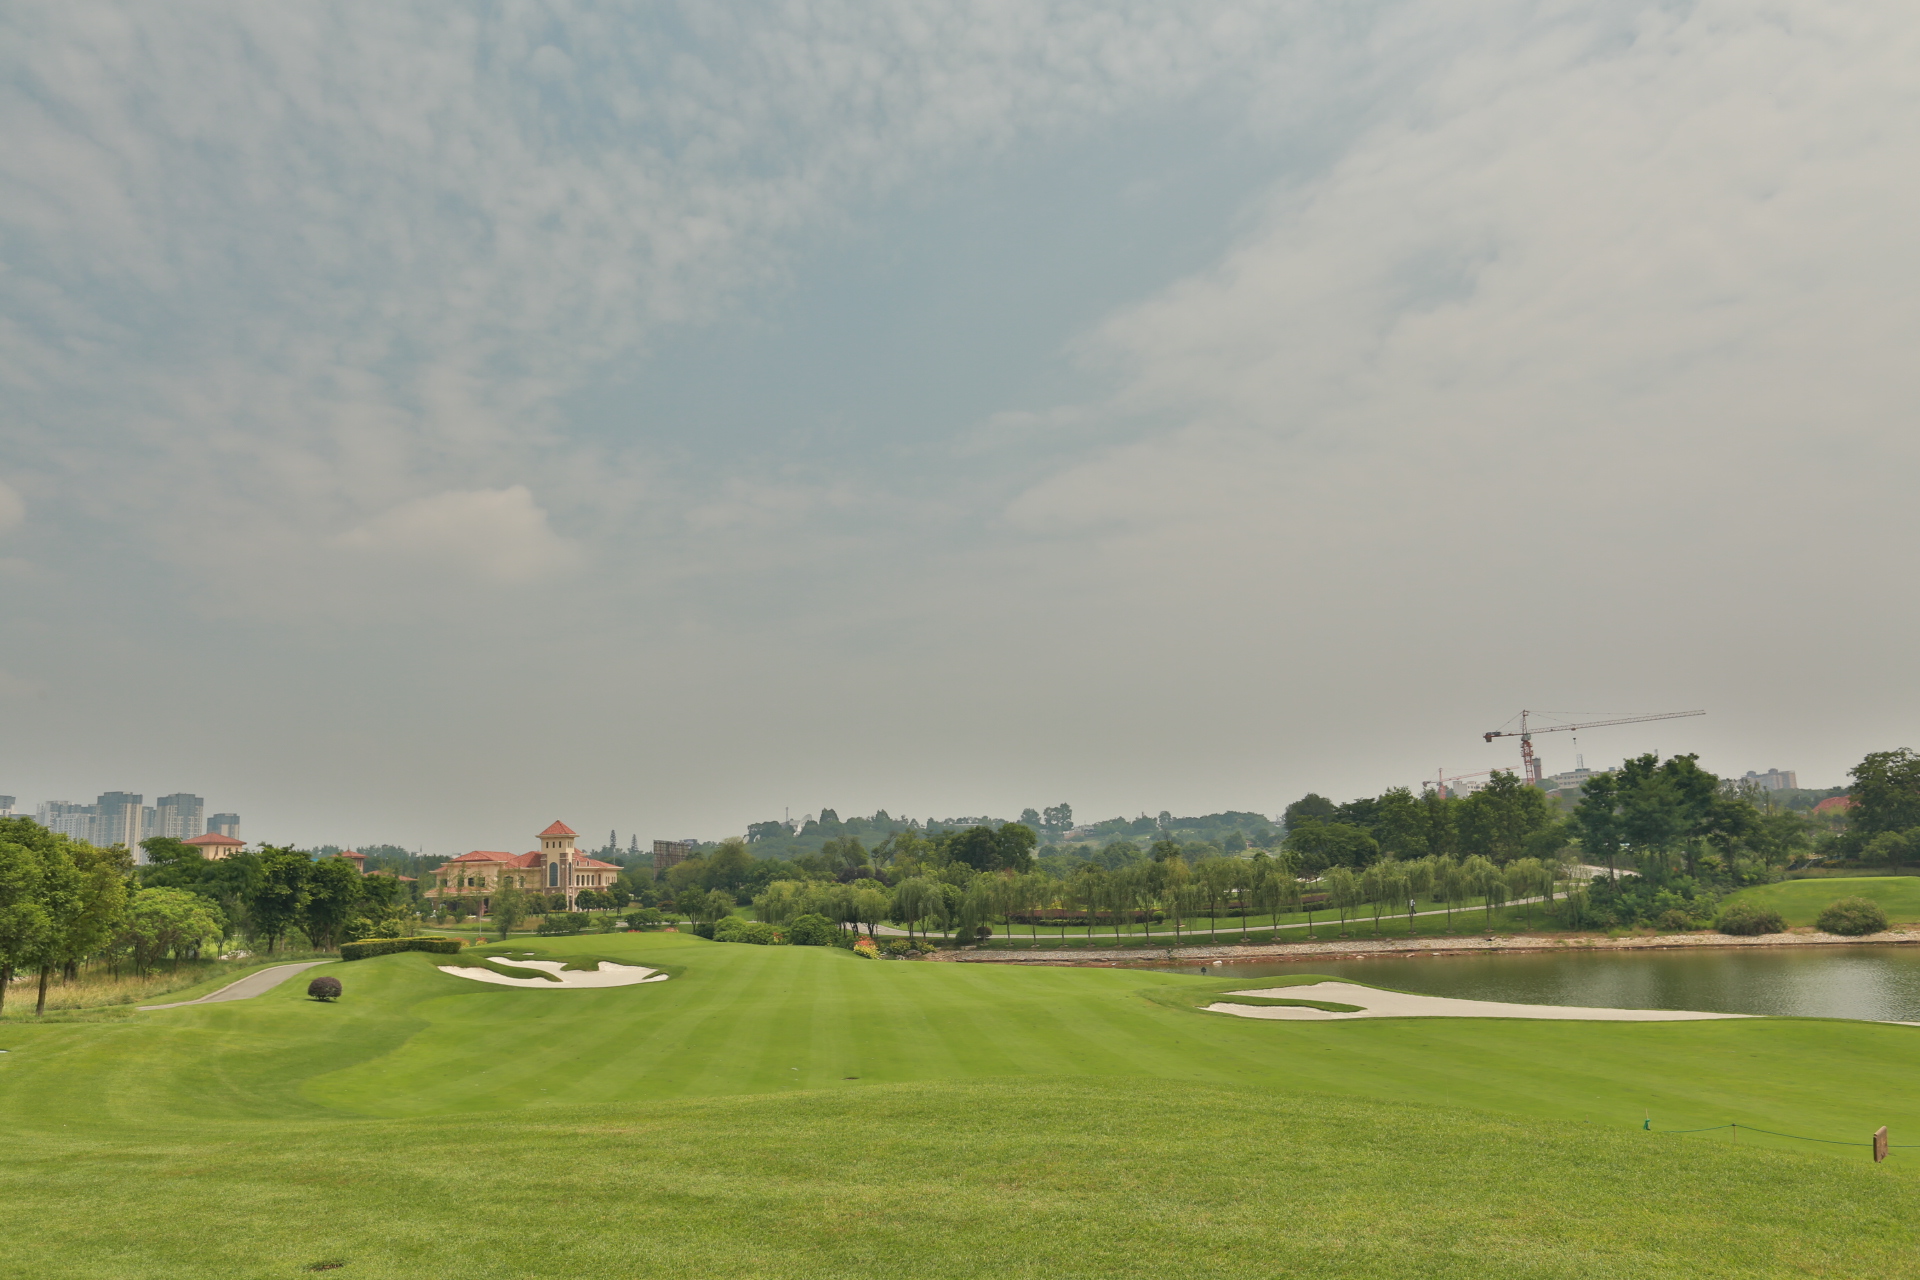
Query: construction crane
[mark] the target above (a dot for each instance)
(1530, 767)
(1441, 778)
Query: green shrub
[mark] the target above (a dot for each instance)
(754, 932)
(1747, 919)
(387, 946)
(1674, 921)
(896, 947)
(324, 988)
(813, 930)
(563, 922)
(1852, 918)
(645, 918)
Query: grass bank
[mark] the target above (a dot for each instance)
(1800, 902)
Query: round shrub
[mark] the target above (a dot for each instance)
(1746, 919)
(1674, 921)
(324, 988)
(812, 930)
(1852, 918)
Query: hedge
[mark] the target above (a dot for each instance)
(387, 946)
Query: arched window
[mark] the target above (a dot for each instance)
(553, 875)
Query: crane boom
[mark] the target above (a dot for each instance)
(1525, 733)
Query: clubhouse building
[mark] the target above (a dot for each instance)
(555, 867)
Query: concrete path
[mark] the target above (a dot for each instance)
(248, 987)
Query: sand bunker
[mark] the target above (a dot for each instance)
(607, 975)
(1398, 1004)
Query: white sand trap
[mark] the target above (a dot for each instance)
(1397, 1004)
(607, 975)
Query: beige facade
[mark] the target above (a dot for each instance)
(556, 867)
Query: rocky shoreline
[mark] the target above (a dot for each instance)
(1362, 948)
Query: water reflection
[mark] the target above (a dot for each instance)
(1878, 983)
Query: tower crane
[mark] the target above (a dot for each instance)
(1441, 778)
(1530, 767)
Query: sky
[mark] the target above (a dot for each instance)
(426, 420)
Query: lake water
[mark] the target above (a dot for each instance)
(1875, 983)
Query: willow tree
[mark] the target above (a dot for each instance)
(1343, 892)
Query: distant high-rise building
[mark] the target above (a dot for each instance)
(179, 816)
(668, 854)
(1774, 780)
(118, 819)
(75, 820)
(6, 806)
(224, 824)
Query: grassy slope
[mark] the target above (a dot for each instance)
(1005, 1122)
(1800, 901)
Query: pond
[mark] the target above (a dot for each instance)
(1874, 983)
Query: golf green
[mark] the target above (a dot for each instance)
(800, 1111)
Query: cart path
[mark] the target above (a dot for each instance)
(248, 987)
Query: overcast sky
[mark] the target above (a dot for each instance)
(424, 421)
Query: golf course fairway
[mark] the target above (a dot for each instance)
(792, 1111)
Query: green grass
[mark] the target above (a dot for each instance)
(1799, 902)
(778, 1111)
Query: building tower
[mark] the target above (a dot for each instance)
(558, 855)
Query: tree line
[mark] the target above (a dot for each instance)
(65, 903)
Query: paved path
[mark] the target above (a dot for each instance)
(248, 987)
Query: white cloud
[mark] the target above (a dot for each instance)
(498, 535)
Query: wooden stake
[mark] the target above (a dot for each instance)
(1880, 1144)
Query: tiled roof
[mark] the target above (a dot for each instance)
(212, 838)
(484, 855)
(584, 861)
(558, 829)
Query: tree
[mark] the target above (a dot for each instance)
(1400, 824)
(332, 898)
(1013, 848)
(1343, 893)
(1311, 807)
(870, 905)
(915, 899)
(1057, 817)
(168, 922)
(98, 905)
(1280, 890)
(24, 918)
(1216, 877)
(1320, 845)
(280, 893)
(1482, 877)
(509, 906)
(1596, 820)
(1885, 793)
(1496, 821)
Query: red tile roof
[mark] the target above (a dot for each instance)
(584, 861)
(558, 829)
(484, 855)
(1834, 802)
(212, 840)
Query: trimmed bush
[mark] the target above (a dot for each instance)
(387, 946)
(812, 931)
(560, 923)
(324, 988)
(1852, 918)
(1746, 920)
(755, 932)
